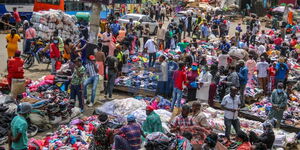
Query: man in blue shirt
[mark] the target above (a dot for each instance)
(17, 137)
(225, 46)
(115, 27)
(282, 70)
(243, 76)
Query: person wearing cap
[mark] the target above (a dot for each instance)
(268, 136)
(129, 136)
(152, 122)
(15, 68)
(93, 78)
(76, 82)
(17, 137)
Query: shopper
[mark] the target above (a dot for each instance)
(204, 81)
(262, 73)
(54, 54)
(231, 105)
(93, 78)
(12, 42)
(279, 103)
(17, 137)
(282, 71)
(192, 76)
(17, 18)
(112, 68)
(162, 76)
(151, 48)
(131, 135)
(243, 77)
(15, 68)
(146, 34)
(179, 79)
(67, 49)
(161, 32)
(30, 35)
(268, 136)
(76, 83)
(152, 122)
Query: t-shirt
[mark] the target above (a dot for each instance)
(262, 68)
(281, 70)
(17, 17)
(261, 49)
(150, 46)
(115, 28)
(19, 125)
(179, 78)
(272, 71)
(231, 103)
(278, 41)
(223, 60)
(263, 38)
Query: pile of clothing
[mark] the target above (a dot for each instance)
(47, 22)
(8, 110)
(139, 79)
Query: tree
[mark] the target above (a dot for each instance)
(95, 18)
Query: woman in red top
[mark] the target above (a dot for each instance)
(54, 54)
(271, 77)
(15, 68)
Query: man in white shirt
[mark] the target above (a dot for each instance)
(223, 60)
(151, 48)
(162, 76)
(231, 105)
(262, 73)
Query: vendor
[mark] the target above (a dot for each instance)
(131, 135)
(268, 137)
(15, 68)
(204, 80)
(243, 138)
(102, 134)
(182, 121)
(279, 103)
(231, 105)
(192, 76)
(17, 137)
(152, 122)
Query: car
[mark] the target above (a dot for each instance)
(180, 14)
(143, 19)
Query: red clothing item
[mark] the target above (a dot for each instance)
(245, 146)
(191, 77)
(278, 41)
(272, 71)
(15, 69)
(293, 43)
(54, 51)
(17, 17)
(179, 78)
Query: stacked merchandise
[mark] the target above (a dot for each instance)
(47, 22)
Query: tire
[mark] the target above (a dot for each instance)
(28, 61)
(155, 31)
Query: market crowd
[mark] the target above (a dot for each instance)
(205, 75)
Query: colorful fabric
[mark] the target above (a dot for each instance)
(152, 123)
(132, 134)
(101, 139)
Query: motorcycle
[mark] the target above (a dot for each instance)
(37, 53)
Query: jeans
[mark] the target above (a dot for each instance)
(91, 80)
(152, 58)
(77, 91)
(110, 83)
(177, 95)
(27, 46)
(53, 63)
(242, 90)
(234, 122)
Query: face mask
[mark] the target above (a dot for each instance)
(55, 41)
(279, 91)
(194, 68)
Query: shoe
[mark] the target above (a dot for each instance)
(87, 102)
(105, 96)
(110, 98)
(81, 110)
(91, 105)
